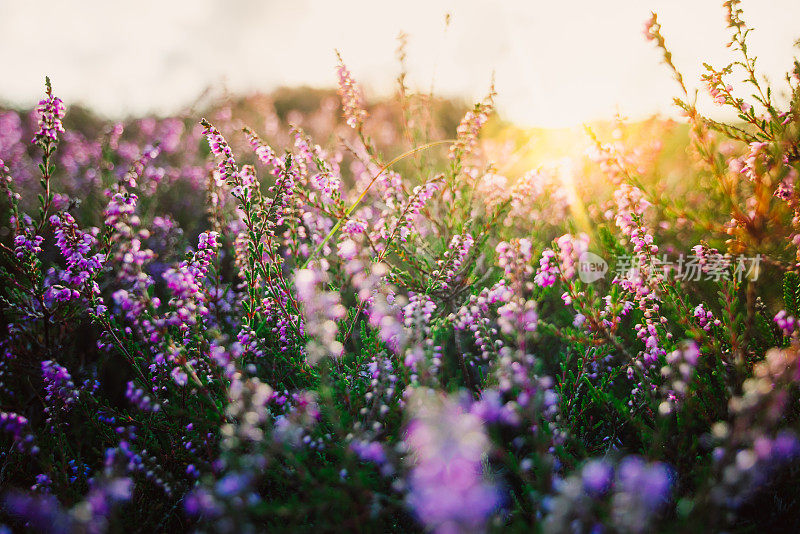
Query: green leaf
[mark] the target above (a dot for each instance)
(791, 293)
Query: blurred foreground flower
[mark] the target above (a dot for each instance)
(449, 490)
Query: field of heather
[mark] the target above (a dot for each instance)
(314, 311)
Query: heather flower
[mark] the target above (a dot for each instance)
(636, 491)
(186, 281)
(381, 306)
(751, 468)
(651, 27)
(60, 392)
(705, 318)
(470, 126)
(43, 483)
(474, 317)
(51, 111)
(226, 164)
(514, 258)
(448, 489)
(19, 429)
(263, 151)
(42, 513)
(570, 249)
(787, 323)
(642, 490)
(417, 316)
(678, 372)
(352, 97)
(82, 266)
(120, 207)
(321, 310)
(539, 196)
(517, 316)
(597, 477)
(517, 312)
(354, 227)
(179, 376)
(548, 269)
(419, 197)
(718, 90)
(491, 409)
(493, 189)
(418, 311)
(26, 245)
(755, 163)
(369, 451)
(140, 399)
(631, 207)
(10, 135)
(449, 267)
(247, 400)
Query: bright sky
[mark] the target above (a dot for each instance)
(557, 62)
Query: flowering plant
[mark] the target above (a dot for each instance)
(389, 331)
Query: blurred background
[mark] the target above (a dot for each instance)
(556, 64)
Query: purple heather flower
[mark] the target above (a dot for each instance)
(448, 489)
(180, 376)
(597, 477)
(60, 391)
(352, 97)
(649, 484)
(51, 111)
(369, 451)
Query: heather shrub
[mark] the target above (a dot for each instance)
(312, 311)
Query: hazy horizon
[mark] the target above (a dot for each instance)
(555, 65)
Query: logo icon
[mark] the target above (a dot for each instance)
(591, 267)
